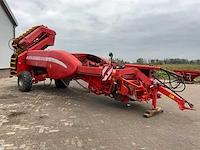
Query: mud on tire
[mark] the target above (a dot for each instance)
(25, 81)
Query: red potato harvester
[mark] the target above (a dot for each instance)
(31, 63)
(188, 75)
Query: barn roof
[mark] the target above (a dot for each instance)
(8, 11)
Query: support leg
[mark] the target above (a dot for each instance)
(156, 110)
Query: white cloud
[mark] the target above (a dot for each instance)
(128, 28)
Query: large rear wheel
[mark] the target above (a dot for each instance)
(25, 81)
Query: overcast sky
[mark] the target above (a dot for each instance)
(128, 28)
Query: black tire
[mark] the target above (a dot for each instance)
(25, 81)
(59, 84)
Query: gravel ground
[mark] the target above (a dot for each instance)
(69, 119)
(4, 73)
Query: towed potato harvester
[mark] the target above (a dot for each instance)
(188, 75)
(32, 63)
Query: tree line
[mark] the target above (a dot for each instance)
(159, 61)
(167, 61)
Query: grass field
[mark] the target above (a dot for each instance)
(172, 67)
(180, 66)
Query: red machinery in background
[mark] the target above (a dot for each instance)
(31, 63)
(188, 75)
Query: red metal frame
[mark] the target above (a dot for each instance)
(40, 38)
(188, 75)
(123, 83)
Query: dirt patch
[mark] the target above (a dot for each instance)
(15, 114)
(7, 96)
(43, 116)
(4, 73)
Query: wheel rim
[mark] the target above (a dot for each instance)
(20, 81)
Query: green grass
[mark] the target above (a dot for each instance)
(181, 66)
(172, 67)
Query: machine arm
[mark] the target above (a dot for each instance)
(38, 37)
(177, 98)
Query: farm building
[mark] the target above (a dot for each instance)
(8, 24)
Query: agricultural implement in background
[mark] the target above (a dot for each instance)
(31, 63)
(188, 75)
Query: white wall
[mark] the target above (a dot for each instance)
(6, 33)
